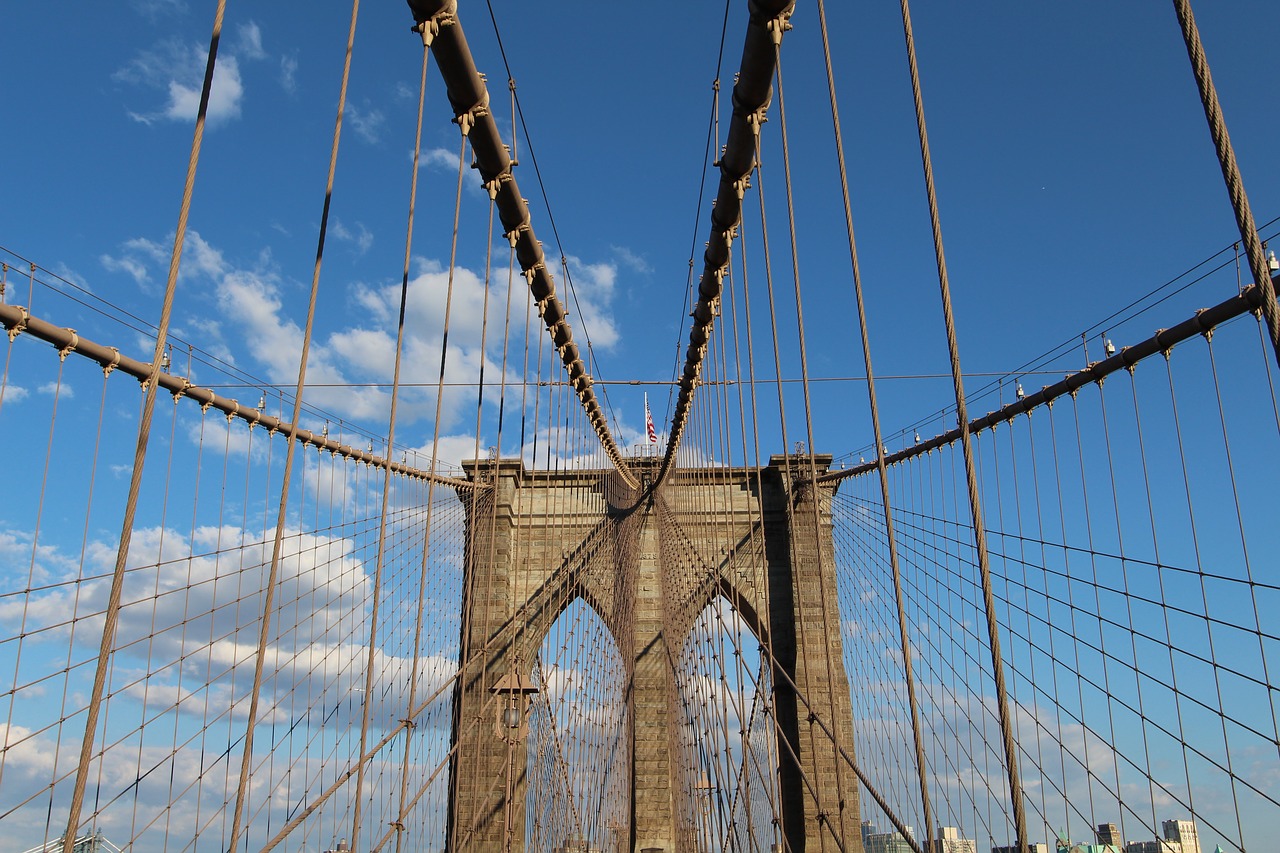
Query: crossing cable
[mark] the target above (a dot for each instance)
(1204, 320)
(751, 96)
(140, 453)
(1230, 169)
(291, 448)
(17, 321)
(971, 475)
(475, 516)
(815, 496)
(778, 667)
(794, 486)
(517, 113)
(391, 425)
(754, 462)
(881, 467)
(442, 32)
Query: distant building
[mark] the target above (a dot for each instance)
(1032, 847)
(1108, 834)
(949, 841)
(93, 842)
(885, 842)
(1157, 845)
(1184, 832)
(341, 848)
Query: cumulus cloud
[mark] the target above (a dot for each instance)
(631, 260)
(594, 285)
(289, 73)
(69, 276)
(185, 653)
(361, 237)
(147, 261)
(13, 393)
(366, 121)
(445, 161)
(155, 9)
(177, 69)
(349, 368)
(249, 41)
(60, 389)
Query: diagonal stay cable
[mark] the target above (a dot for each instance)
(111, 618)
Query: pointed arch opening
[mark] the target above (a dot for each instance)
(578, 795)
(725, 750)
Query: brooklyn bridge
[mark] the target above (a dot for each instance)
(249, 602)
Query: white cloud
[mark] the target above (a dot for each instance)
(13, 393)
(441, 158)
(631, 259)
(69, 275)
(594, 285)
(445, 161)
(154, 9)
(178, 70)
(128, 265)
(249, 41)
(449, 453)
(362, 238)
(366, 121)
(140, 257)
(289, 73)
(349, 368)
(61, 389)
(185, 651)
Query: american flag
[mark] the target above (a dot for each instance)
(648, 422)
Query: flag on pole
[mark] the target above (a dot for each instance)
(648, 422)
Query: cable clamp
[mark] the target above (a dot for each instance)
(430, 27)
(513, 236)
(235, 410)
(532, 272)
(741, 185)
(467, 120)
(70, 347)
(494, 185)
(111, 365)
(757, 118)
(20, 326)
(779, 26)
(182, 391)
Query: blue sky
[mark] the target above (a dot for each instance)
(1074, 170)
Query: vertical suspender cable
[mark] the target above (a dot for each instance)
(112, 615)
(391, 436)
(813, 485)
(966, 441)
(875, 425)
(246, 762)
(1230, 170)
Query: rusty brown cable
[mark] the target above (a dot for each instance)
(1230, 169)
(380, 559)
(881, 468)
(112, 615)
(246, 761)
(966, 442)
